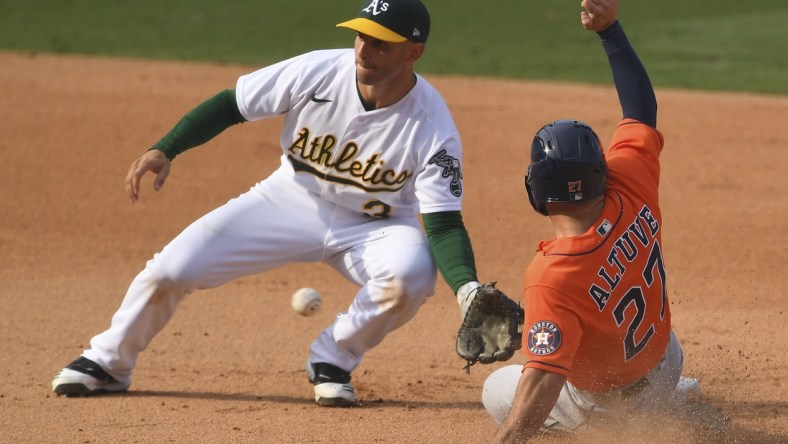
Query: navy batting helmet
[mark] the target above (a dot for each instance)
(567, 165)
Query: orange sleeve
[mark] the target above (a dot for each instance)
(637, 135)
(552, 331)
(633, 160)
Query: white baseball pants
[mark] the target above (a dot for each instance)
(574, 406)
(273, 224)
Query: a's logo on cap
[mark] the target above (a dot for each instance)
(376, 7)
(544, 338)
(392, 21)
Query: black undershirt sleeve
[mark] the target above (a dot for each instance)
(635, 92)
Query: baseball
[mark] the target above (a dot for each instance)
(306, 301)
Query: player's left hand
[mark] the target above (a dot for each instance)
(492, 327)
(154, 161)
(597, 15)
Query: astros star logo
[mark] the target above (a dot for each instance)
(542, 337)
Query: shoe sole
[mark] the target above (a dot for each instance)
(331, 394)
(335, 402)
(77, 390)
(72, 383)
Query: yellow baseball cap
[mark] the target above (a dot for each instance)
(392, 21)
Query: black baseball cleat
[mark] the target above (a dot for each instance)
(332, 385)
(84, 377)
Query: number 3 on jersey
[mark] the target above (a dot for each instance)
(635, 297)
(377, 209)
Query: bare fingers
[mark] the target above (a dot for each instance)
(154, 161)
(133, 181)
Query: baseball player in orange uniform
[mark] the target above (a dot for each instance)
(597, 320)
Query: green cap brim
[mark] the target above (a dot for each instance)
(372, 29)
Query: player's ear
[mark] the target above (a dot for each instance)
(416, 51)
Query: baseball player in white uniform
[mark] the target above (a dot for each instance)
(368, 145)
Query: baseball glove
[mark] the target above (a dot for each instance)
(492, 328)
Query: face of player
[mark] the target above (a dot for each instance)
(380, 63)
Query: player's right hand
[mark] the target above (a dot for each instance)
(154, 161)
(597, 15)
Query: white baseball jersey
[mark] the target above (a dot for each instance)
(399, 160)
(346, 162)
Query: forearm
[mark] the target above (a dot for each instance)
(522, 423)
(635, 92)
(536, 395)
(451, 247)
(201, 124)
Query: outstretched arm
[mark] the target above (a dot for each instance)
(635, 92)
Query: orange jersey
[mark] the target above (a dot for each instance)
(596, 307)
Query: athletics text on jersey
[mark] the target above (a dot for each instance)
(399, 160)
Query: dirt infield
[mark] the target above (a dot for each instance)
(229, 367)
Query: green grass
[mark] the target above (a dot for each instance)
(696, 44)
